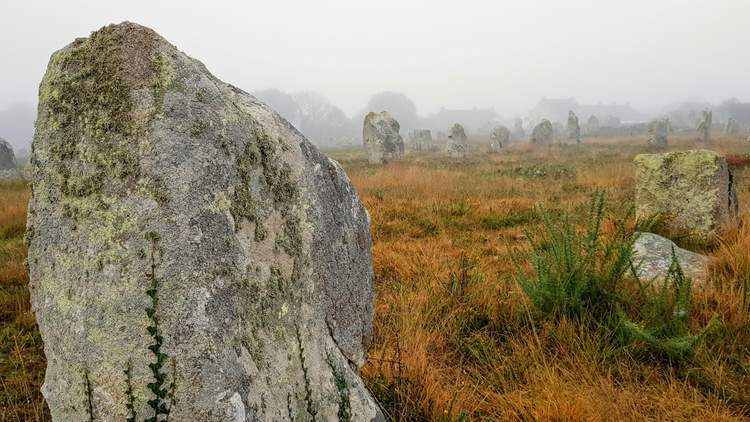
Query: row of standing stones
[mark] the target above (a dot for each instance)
(384, 144)
(192, 256)
(387, 145)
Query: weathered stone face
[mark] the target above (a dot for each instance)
(8, 166)
(499, 138)
(652, 259)
(657, 131)
(381, 138)
(543, 133)
(704, 127)
(694, 191)
(457, 142)
(180, 230)
(573, 129)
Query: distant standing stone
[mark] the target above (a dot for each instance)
(573, 129)
(592, 126)
(421, 140)
(732, 127)
(499, 139)
(457, 142)
(8, 165)
(543, 133)
(518, 131)
(704, 127)
(652, 258)
(693, 190)
(657, 131)
(181, 230)
(382, 140)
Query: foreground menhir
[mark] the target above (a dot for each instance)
(381, 138)
(693, 191)
(8, 165)
(190, 253)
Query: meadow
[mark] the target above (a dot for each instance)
(456, 337)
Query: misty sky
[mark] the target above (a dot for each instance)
(456, 54)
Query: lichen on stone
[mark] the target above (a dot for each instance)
(87, 98)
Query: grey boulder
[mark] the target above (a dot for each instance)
(8, 165)
(381, 138)
(652, 258)
(190, 252)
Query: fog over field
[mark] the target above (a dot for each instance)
(440, 54)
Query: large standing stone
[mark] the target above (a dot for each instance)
(252, 288)
(8, 165)
(693, 190)
(543, 133)
(704, 127)
(657, 131)
(652, 259)
(499, 139)
(573, 129)
(382, 140)
(457, 141)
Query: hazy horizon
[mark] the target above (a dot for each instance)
(505, 55)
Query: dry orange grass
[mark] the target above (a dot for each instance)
(21, 357)
(454, 338)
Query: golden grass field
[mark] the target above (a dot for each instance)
(455, 336)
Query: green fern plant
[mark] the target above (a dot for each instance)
(576, 273)
(666, 318)
(163, 393)
(580, 274)
(160, 403)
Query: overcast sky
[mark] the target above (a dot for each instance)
(456, 54)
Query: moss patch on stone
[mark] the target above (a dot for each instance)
(88, 110)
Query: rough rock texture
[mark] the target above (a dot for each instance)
(8, 165)
(260, 246)
(652, 258)
(457, 141)
(381, 138)
(421, 139)
(499, 139)
(694, 190)
(657, 131)
(543, 133)
(573, 128)
(704, 127)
